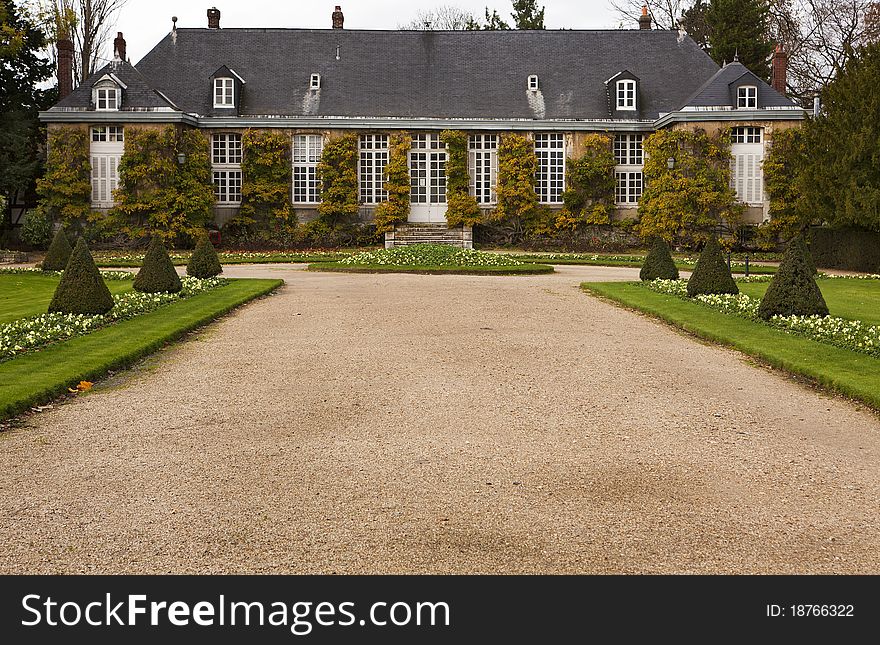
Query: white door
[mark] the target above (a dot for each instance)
(427, 172)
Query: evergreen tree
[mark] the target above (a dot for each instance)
(659, 263)
(204, 262)
(526, 14)
(840, 176)
(737, 30)
(82, 289)
(711, 274)
(793, 290)
(22, 71)
(157, 273)
(58, 254)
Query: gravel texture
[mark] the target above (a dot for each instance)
(406, 423)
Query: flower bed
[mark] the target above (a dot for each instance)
(840, 332)
(38, 331)
(107, 275)
(433, 258)
(127, 259)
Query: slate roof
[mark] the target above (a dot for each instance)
(716, 91)
(443, 74)
(138, 93)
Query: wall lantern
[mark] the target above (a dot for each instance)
(181, 158)
(670, 163)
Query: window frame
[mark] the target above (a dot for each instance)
(315, 81)
(307, 169)
(747, 165)
(226, 155)
(374, 152)
(221, 85)
(533, 84)
(622, 88)
(747, 97)
(106, 88)
(552, 173)
(483, 168)
(629, 158)
(106, 148)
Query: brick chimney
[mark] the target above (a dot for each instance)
(119, 46)
(65, 67)
(645, 18)
(338, 18)
(779, 69)
(213, 18)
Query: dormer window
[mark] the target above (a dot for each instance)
(533, 83)
(224, 92)
(626, 94)
(107, 97)
(747, 96)
(315, 82)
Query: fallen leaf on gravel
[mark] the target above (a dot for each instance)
(82, 386)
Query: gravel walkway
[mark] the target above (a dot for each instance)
(401, 423)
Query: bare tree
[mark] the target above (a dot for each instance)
(820, 36)
(443, 18)
(88, 23)
(666, 14)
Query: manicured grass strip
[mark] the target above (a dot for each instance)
(846, 298)
(338, 267)
(852, 374)
(754, 269)
(28, 294)
(36, 378)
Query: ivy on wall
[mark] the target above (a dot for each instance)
(462, 208)
(65, 190)
(266, 179)
(338, 172)
(782, 163)
(695, 195)
(517, 206)
(590, 184)
(395, 210)
(158, 195)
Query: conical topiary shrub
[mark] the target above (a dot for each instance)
(811, 264)
(204, 262)
(82, 289)
(793, 290)
(157, 273)
(659, 263)
(58, 254)
(711, 274)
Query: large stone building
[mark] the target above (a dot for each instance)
(556, 86)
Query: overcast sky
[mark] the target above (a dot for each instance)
(146, 22)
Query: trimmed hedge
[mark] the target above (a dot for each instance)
(58, 254)
(850, 249)
(157, 274)
(793, 290)
(204, 262)
(82, 289)
(711, 274)
(659, 263)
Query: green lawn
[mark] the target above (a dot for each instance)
(23, 295)
(852, 299)
(850, 373)
(38, 377)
